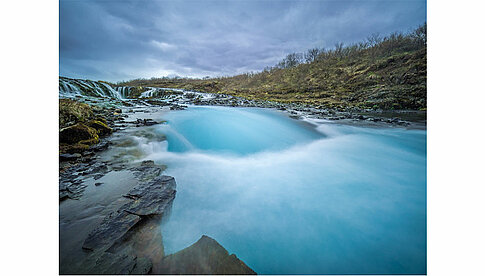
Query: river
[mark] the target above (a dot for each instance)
(295, 197)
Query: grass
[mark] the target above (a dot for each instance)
(389, 73)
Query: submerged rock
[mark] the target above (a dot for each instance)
(206, 256)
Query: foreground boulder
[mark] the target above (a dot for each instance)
(78, 133)
(206, 256)
(71, 112)
(81, 126)
(101, 127)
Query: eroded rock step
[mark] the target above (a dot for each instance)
(131, 235)
(206, 256)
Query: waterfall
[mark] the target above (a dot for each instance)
(69, 88)
(124, 91)
(77, 87)
(148, 94)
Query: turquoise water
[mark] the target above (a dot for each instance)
(289, 198)
(234, 131)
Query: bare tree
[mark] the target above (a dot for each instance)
(420, 34)
(291, 60)
(374, 39)
(339, 49)
(311, 55)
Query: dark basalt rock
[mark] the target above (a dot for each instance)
(110, 230)
(177, 107)
(152, 198)
(97, 168)
(143, 122)
(103, 145)
(124, 262)
(206, 256)
(147, 122)
(143, 266)
(70, 187)
(69, 157)
(147, 199)
(147, 170)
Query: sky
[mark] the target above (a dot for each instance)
(115, 40)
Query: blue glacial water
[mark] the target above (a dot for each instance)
(290, 198)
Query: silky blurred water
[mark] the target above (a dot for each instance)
(289, 198)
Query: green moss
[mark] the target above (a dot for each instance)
(71, 112)
(102, 128)
(75, 148)
(78, 133)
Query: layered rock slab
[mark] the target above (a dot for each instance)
(206, 256)
(128, 241)
(148, 199)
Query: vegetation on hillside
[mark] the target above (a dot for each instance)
(79, 126)
(380, 73)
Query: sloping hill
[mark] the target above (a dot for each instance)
(381, 73)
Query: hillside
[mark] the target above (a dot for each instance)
(381, 73)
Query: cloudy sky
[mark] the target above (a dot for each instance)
(118, 40)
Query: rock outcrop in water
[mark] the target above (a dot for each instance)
(148, 200)
(129, 241)
(131, 234)
(206, 256)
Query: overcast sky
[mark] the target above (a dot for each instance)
(118, 40)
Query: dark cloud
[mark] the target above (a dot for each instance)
(120, 40)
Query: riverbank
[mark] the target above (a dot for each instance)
(112, 206)
(97, 179)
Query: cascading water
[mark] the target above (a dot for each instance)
(124, 91)
(69, 88)
(290, 197)
(148, 94)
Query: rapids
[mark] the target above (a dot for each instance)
(293, 197)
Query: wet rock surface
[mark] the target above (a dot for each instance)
(206, 256)
(142, 122)
(124, 262)
(147, 170)
(147, 199)
(111, 230)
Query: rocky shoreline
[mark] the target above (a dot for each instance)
(118, 232)
(115, 207)
(366, 117)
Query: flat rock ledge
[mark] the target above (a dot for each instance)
(114, 244)
(129, 240)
